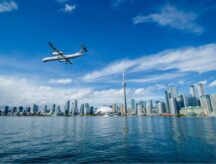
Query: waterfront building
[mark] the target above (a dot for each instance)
(213, 103)
(192, 91)
(189, 100)
(35, 108)
(192, 111)
(122, 110)
(53, 108)
(20, 109)
(161, 107)
(133, 106)
(140, 109)
(103, 110)
(6, 110)
(136, 108)
(172, 92)
(114, 108)
(143, 104)
(82, 109)
(206, 104)
(186, 100)
(46, 109)
(144, 107)
(28, 109)
(194, 99)
(200, 89)
(180, 102)
(173, 106)
(58, 109)
(149, 108)
(167, 102)
(86, 108)
(74, 107)
(91, 110)
(14, 109)
(67, 107)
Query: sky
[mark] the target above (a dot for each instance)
(159, 43)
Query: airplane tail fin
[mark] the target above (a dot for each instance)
(83, 48)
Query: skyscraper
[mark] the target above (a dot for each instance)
(14, 109)
(67, 107)
(139, 109)
(206, 104)
(58, 108)
(186, 100)
(28, 109)
(149, 108)
(35, 108)
(172, 92)
(213, 103)
(54, 108)
(74, 107)
(133, 106)
(82, 109)
(200, 88)
(86, 108)
(20, 109)
(124, 92)
(45, 109)
(192, 91)
(167, 102)
(91, 110)
(114, 108)
(161, 107)
(122, 110)
(180, 102)
(173, 105)
(6, 110)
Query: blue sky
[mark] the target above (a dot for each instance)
(158, 43)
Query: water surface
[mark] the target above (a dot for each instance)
(107, 139)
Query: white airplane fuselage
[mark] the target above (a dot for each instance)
(63, 58)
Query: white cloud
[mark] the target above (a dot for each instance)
(212, 84)
(19, 91)
(192, 59)
(204, 82)
(111, 69)
(181, 82)
(60, 81)
(156, 78)
(7, 6)
(16, 91)
(68, 8)
(170, 16)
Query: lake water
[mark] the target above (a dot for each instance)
(107, 139)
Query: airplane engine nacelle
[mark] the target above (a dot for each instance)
(57, 53)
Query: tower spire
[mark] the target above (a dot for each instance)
(124, 93)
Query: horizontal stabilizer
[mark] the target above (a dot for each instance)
(83, 48)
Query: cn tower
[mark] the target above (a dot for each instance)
(124, 92)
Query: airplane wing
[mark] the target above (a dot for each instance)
(54, 48)
(68, 61)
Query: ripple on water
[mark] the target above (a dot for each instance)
(114, 139)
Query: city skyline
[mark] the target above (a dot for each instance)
(152, 43)
(195, 102)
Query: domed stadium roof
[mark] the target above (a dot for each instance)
(103, 110)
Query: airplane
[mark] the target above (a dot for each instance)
(59, 55)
